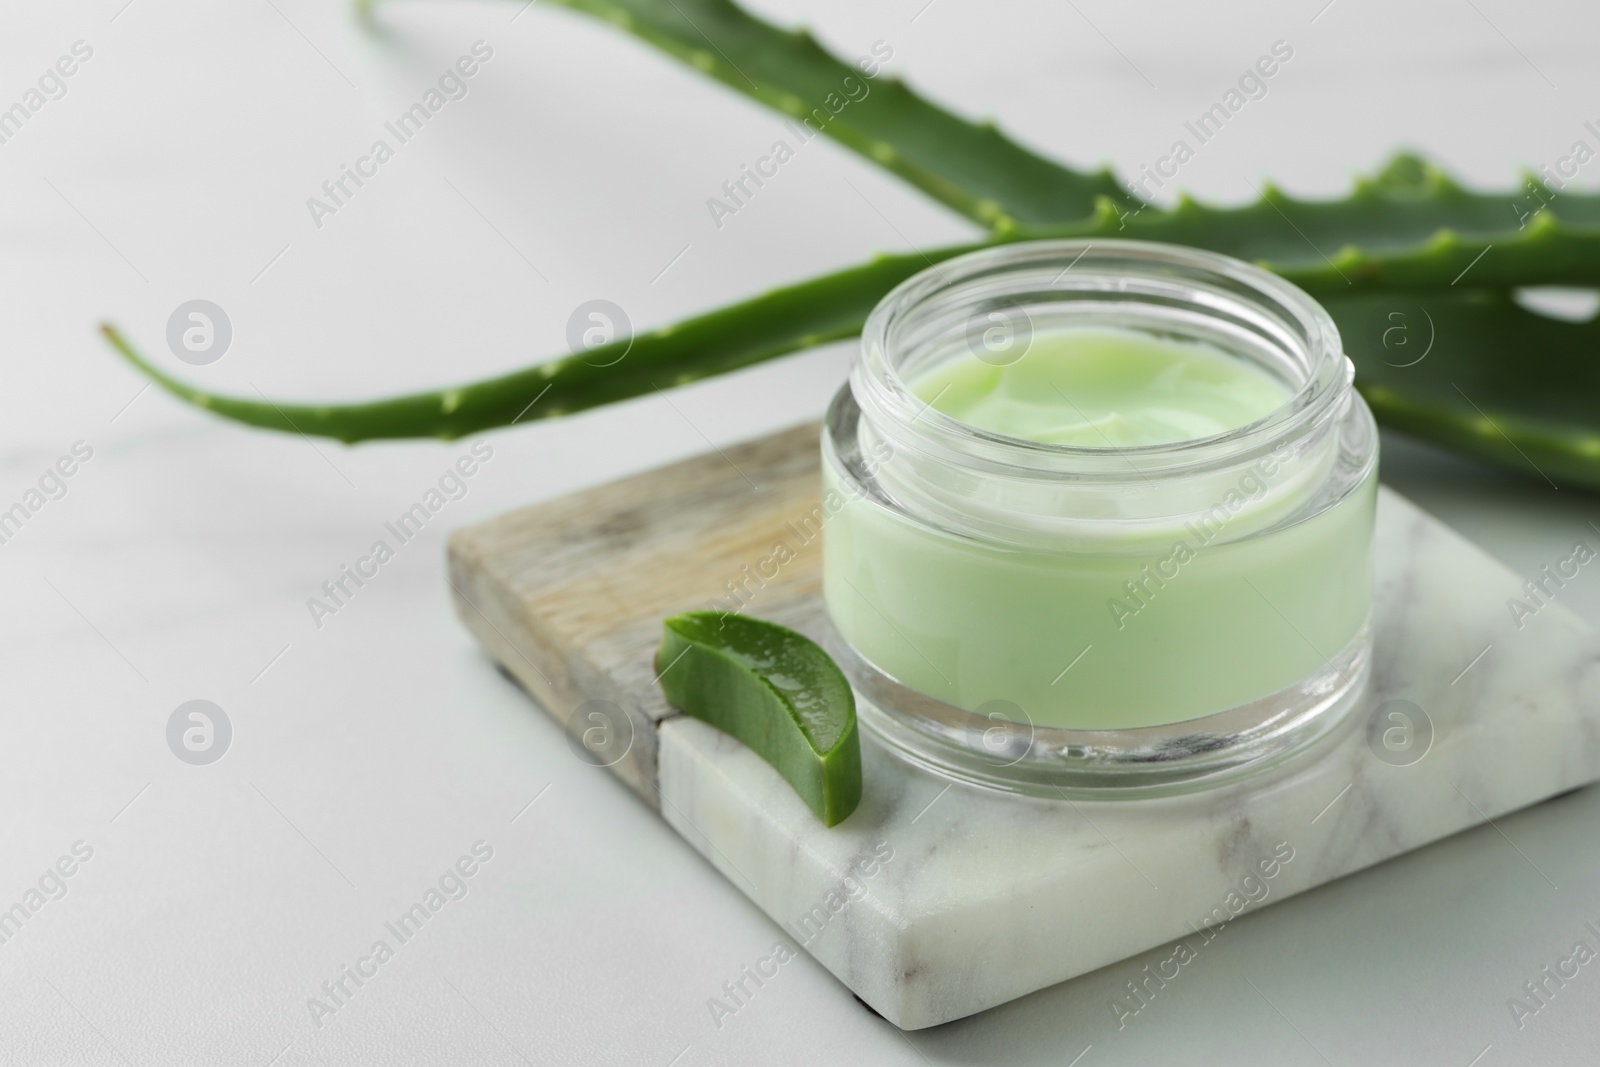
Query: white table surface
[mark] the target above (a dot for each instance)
(370, 753)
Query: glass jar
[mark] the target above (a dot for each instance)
(1099, 620)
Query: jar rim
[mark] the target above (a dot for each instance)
(1108, 266)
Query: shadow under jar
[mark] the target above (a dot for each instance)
(1098, 519)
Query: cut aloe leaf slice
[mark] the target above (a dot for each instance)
(774, 690)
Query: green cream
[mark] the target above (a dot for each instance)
(1116, 623)
(1100, 388)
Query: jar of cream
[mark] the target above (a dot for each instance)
(1099, 519)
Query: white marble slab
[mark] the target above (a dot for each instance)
(937, 900)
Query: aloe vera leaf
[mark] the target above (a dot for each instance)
(1533, 376)
(970, 167)
(976, 170)
(828, 308)
(774, 690)
(1481, 375)
(1409, 225)
(785, 320)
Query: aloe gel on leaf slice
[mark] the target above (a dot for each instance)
(774, 690)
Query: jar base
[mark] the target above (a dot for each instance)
(1181, 757)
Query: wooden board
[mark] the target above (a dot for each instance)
(568, 595)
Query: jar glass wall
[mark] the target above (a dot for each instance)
(1039, 616)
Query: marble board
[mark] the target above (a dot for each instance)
(936, 900)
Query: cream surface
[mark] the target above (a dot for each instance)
(1104, 387)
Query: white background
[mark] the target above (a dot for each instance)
(370, 753)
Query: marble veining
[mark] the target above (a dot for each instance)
(936, 900)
